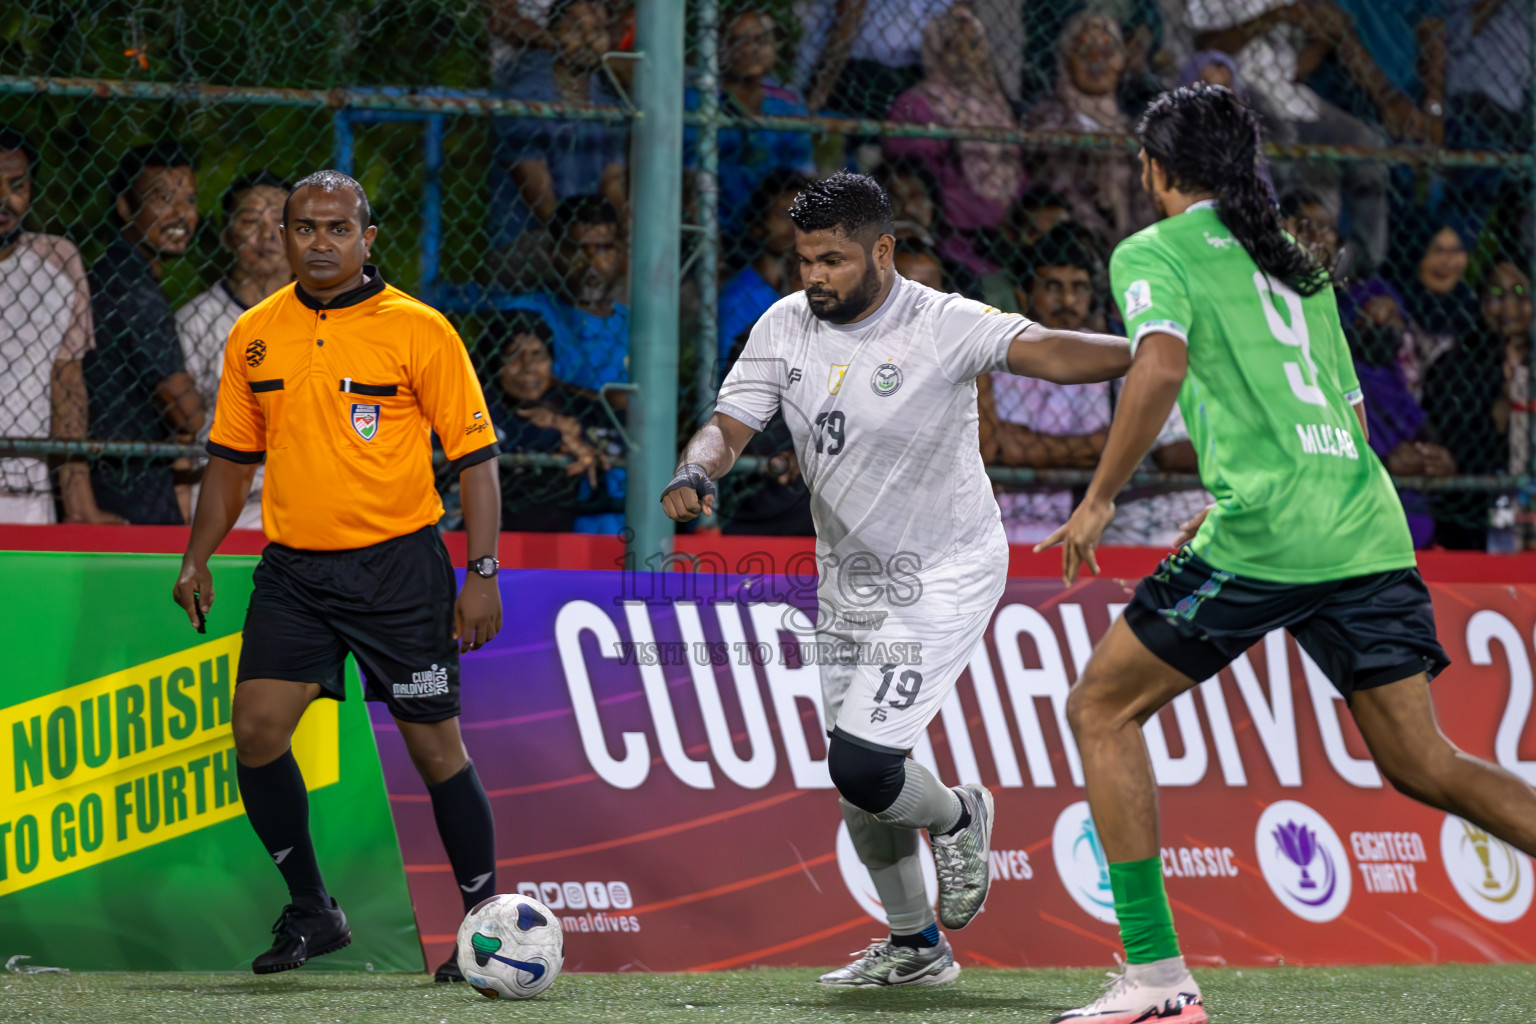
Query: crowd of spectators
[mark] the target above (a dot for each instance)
(1028, 228)
(1431, 264)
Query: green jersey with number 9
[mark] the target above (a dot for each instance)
(1300, 497)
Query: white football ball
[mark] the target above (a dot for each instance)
(511, 947)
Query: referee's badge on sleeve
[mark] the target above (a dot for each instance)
(365, 420)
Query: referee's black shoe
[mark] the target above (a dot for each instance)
(303, 933)
(449, 972)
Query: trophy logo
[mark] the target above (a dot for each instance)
(1299, 844)
(1479, 840)
(1303, 861)
(1490, 876)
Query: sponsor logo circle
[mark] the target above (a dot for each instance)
(861, 887)
(886, 379)
(1490, 876)
(1081, 864)
(1303, 861)
(255, 352)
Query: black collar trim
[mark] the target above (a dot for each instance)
(373, 284)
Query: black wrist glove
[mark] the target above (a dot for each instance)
(692, 475)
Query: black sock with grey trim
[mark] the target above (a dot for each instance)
(468, 831)
(925, 939)
(277, 805)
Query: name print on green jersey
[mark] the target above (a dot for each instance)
(1321, 439)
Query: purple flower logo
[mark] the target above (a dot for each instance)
(1302, 860)
(1299, 844)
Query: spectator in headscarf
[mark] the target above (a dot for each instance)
(1399, 432)
(1467, 402)
(1149, 57)
(977, 180)
(1102, 185)
(856, 56)
(1428, 266)
(1214, 68)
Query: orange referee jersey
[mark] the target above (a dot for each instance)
(341, 398)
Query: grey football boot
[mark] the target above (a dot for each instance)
(883, 965)
(962, 860)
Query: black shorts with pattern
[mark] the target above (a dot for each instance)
(1362, 632)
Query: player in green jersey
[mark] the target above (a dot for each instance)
(1228, 315)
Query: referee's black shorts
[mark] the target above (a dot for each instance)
(390, 604)
(1362, 632)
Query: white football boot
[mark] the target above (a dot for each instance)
(1164, 991)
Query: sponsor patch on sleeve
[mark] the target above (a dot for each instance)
(1138, 298)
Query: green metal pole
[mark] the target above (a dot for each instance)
(707, 186)
(1529, 469)
(657, 202)
(707, 181)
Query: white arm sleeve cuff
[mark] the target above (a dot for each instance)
(1158, 327)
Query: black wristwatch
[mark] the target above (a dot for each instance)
(485, 567)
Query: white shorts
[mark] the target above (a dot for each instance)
(882, 684)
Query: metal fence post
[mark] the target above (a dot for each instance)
(707, 181)
(1529, 469)
(656, 201)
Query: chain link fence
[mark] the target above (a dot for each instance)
(1400, 153)
(493, 139)
(150, 148)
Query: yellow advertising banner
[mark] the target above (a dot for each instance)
(130, 760)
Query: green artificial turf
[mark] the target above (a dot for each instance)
(1368, 995)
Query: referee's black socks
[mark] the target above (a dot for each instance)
(464, 822)
(277, 805)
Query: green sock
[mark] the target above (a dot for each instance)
(1141, 904)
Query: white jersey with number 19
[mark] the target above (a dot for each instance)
(884, 420)
(883, 415)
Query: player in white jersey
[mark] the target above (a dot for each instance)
(45, 330)
(876, 378)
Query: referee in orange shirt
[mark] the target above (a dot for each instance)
(338, 383)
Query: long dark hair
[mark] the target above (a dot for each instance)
(1206, 140)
